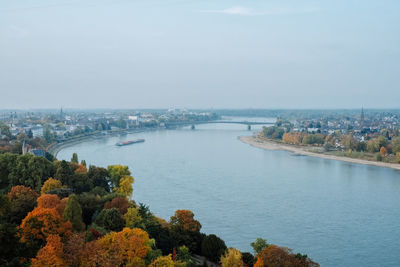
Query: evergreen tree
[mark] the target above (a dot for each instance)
(74, 158)
(73, 213)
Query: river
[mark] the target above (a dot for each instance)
(340, 214)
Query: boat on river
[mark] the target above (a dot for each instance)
(129, 142)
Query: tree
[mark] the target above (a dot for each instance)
(213, 247)
(40, 223)
(50, 184)
(184, 219)
(232, 258)
(126, 248)
(51, 254)
(73, 213)
(278, 256)
(185, 230)
(83, 162)
(74, 158)
(48, 201)
(110, 219)
(132, 218)
(48, 135)
(99, 177)
(125, 186)
(116, 172)
(120, 203)
(64, 173)
(165, 261)
(30, 171)
(259, 245)
(383, 151)
(398, 157)
(73, 249)
(22, 200)
(4, 129)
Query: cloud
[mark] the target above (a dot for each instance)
(244, 11)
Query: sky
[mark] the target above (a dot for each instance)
(199, 54)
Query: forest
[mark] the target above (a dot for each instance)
(60, 213)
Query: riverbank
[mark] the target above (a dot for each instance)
(54, 150)
(262, 143)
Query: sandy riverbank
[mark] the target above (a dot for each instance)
(270, 145)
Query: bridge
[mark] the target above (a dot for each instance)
(193, 123)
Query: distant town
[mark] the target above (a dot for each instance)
(348, 131)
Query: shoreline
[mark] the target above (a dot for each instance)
(55, 149)
(270, 145)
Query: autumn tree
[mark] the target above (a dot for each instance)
(48, 201)
(99, 177)
(165, 261)
(132, 218)
(40, 223)
(51, 254)
(125, 186)
(383, 151)
(74, 248)
(232, 258)
(50, 184)
(120, 203)
(116, 172)
(280, 256)
(127, 248)
(73, 213)
(185, 230)
(22, 200)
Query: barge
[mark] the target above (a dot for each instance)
(125, 143)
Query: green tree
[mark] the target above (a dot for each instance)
(73, 213)
(110, 219)
(64, 173)
(74, 158)
(213, 247)
(5, 130)
(99, 177)
(259, 245)
(48, 135)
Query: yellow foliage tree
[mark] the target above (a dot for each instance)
(232, 258)
(165, 261)
(132, 218)
(125, 186)
(132, 245)
(50, 184)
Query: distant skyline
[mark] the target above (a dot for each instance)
(125, 54)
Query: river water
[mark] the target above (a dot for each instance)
(340, 214)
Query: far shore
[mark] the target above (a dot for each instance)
(262, 143)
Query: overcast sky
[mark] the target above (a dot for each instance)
(199, 54)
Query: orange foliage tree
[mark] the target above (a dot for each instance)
(40, 223)
(51, 254)
(120, 203)
(48, 201)
(280, 256)
(128, 247)
(185, 219)
(383, 151)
